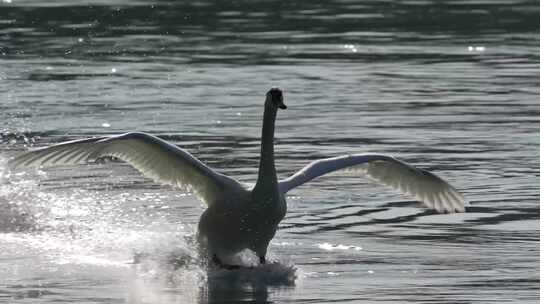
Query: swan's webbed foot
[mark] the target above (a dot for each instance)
(220, 264)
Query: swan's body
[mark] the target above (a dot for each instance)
(238, 218)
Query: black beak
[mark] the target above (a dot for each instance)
(282, 106)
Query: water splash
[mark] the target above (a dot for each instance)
(179, 267)
(15, 190)
(106, 232)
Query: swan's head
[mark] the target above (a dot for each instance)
(274, 98)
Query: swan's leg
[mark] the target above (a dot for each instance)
(261, 253)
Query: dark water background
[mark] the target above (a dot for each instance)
(450, 86)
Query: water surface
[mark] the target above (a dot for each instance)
(450, 86)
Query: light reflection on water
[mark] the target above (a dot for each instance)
(395, 77)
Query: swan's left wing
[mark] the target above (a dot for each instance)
(153, 157)
(428, 188)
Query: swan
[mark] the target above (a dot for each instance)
(238, 218)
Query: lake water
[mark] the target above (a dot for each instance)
(449, 86)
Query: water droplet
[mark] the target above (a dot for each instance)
(106, 125)
(113, 70)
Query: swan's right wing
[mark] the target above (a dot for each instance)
(427, 187)
(153, 157)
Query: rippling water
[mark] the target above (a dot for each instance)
(450, 86)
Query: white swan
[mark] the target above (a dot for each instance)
(238, 218)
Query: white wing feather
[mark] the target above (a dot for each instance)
(428, 188)
(155, 158)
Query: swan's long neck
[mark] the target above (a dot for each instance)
(267, 180)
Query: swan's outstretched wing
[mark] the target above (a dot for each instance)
(153, 157)
(428, 188)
